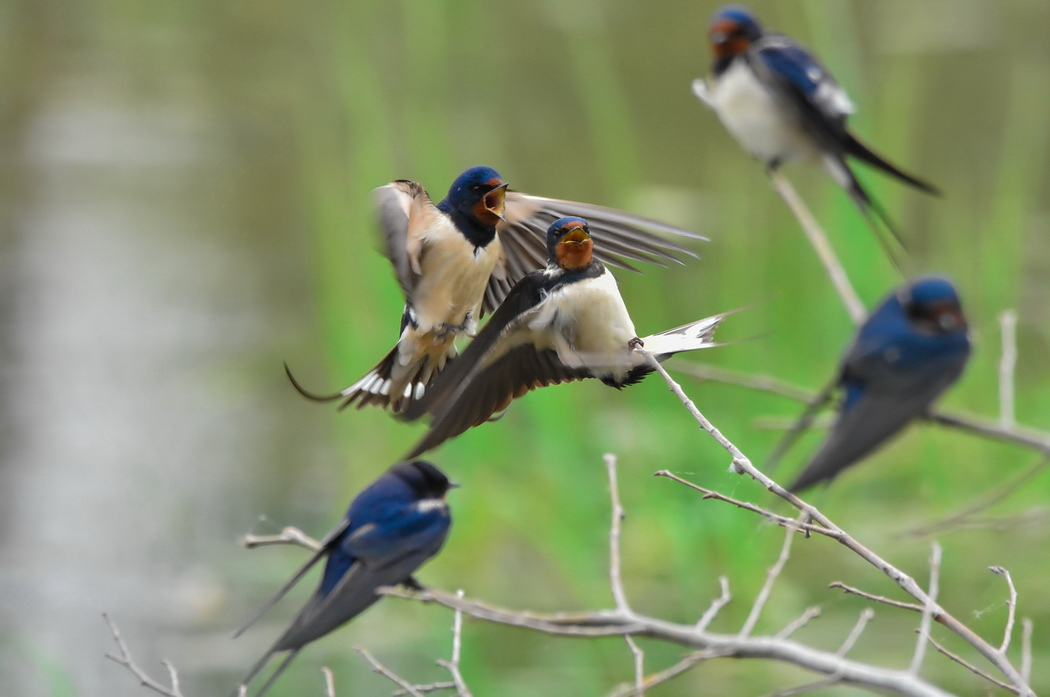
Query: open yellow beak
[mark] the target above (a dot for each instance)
(496, 201)
(577, 236)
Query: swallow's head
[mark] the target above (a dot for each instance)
(733, 29)
(425, 480)
(479, 193)
(569, 243)
(932, 306)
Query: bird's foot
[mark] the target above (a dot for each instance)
(413, 585)
(635, 343)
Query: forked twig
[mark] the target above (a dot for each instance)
(124, 658)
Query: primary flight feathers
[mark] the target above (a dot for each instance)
(392, 527)
(564, 323)
(458, 259)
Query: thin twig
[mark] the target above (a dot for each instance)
(928, 609)
(427, 688)
(1027, 626)
(639, 666)
(289, 535)
(807, 687)
(378, 667)
(877, 598)
(128, 662)
(865, 616)
(1011, 606)
(782, 521)
(329, 682)
(1007, 366)
(799, 622)
(615, 580)
(972, 668)
(716, 605)
(452, 666)
(820, 243)
(771, 578)
(688, 662)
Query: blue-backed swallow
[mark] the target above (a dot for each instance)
(566, 322)
(911, 348)
(458, 259)
(781, 104)
(392, 527)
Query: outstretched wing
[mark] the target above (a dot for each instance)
(619, 238)
(404, 211)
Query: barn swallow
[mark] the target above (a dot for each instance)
(909, 350)
(392, 527)
(566, 322)
(458, 259)
(781, 104)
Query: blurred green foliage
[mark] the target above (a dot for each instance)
(323, 100)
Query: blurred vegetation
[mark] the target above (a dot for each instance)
(318, 102)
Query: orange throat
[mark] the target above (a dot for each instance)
(574, 255)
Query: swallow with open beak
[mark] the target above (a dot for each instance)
(458, 259)
(566, 322)
(781, 104)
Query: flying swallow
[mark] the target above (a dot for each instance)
(392, 527)
(781, 104)
(566, 322)
(910, 350)
(456, 260)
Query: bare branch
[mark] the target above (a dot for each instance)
(1007, 365)
(743, 465)
(928, 609)
(329, 682)
(716, 605)
(1026, 648)
(616, 623)
(865, 616)
(125, 659)
(783, 521)
(1011, 606)
(690, 661)
(972, 668)
(615, 580)
(819, 240)
(378, 667)
(639, 666)
(457, 644)
(427, 688)
(799, 622)
(289, 535)
(771, 578)
(877, 598)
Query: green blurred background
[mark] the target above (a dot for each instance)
(186, 204)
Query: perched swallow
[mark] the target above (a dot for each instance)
(564, 323)
(393, 527)
(909, 350)
(781, 104)
(458, 259)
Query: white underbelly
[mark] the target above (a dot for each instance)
(761, 125)
(591, 321)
